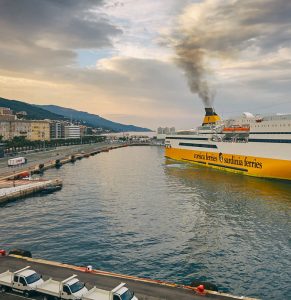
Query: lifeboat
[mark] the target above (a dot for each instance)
(236, 129)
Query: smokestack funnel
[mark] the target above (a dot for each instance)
(211, 116)
(209, 111)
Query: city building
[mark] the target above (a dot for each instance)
(6, 114)
(72, 131)
(5, 130)
(19, 128)
(162, 132)
(5, 111)
(83, 130)
(57, 130)
(166, 130)
(32, 130)
(2, 147)
(39, 130)
(7, 118)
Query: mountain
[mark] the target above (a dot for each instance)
(53, 112)
(33, 112)
(91, 119)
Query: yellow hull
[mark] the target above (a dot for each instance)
(247, 165)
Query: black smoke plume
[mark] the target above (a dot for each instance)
(191, 60)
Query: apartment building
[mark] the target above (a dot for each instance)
(39, 131)
(57, 130)
(5, 111)
(5, 130)
(6, 114)
(72, 131)
(30, 129)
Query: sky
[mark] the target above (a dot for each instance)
(148, 62)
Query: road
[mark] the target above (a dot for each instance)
(9, 296)
(36, 158)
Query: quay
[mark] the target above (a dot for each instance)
(13, 186)
(145, 289)
(65, 154)
(47, 162)
(25, 188)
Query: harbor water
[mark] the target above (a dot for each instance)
(132, 211)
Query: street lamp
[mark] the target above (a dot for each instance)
(43, 139)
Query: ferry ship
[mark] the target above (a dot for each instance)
(251, 145)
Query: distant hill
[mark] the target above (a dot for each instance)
(93, 120)
(33, 112)
(53, 112)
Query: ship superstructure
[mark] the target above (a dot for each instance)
(251, 145)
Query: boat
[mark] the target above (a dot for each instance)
(58, 163)
(51, 188)
(236, 128)
(252, 145)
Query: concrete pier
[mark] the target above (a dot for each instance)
(145, 289)
(29, 188)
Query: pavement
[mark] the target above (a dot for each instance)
(10, 296)
(143, 289)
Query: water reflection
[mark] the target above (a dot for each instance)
(131, 211)
(240, 228)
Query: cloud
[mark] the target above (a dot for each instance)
(244, 46)
(142, 23)
(216, 31)
(37, 35)
(68, 24)
(149, 89)
(39, 53)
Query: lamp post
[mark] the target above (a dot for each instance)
(43, 139)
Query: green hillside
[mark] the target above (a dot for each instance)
(33, 112)
(52, 112)
(94, 120)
